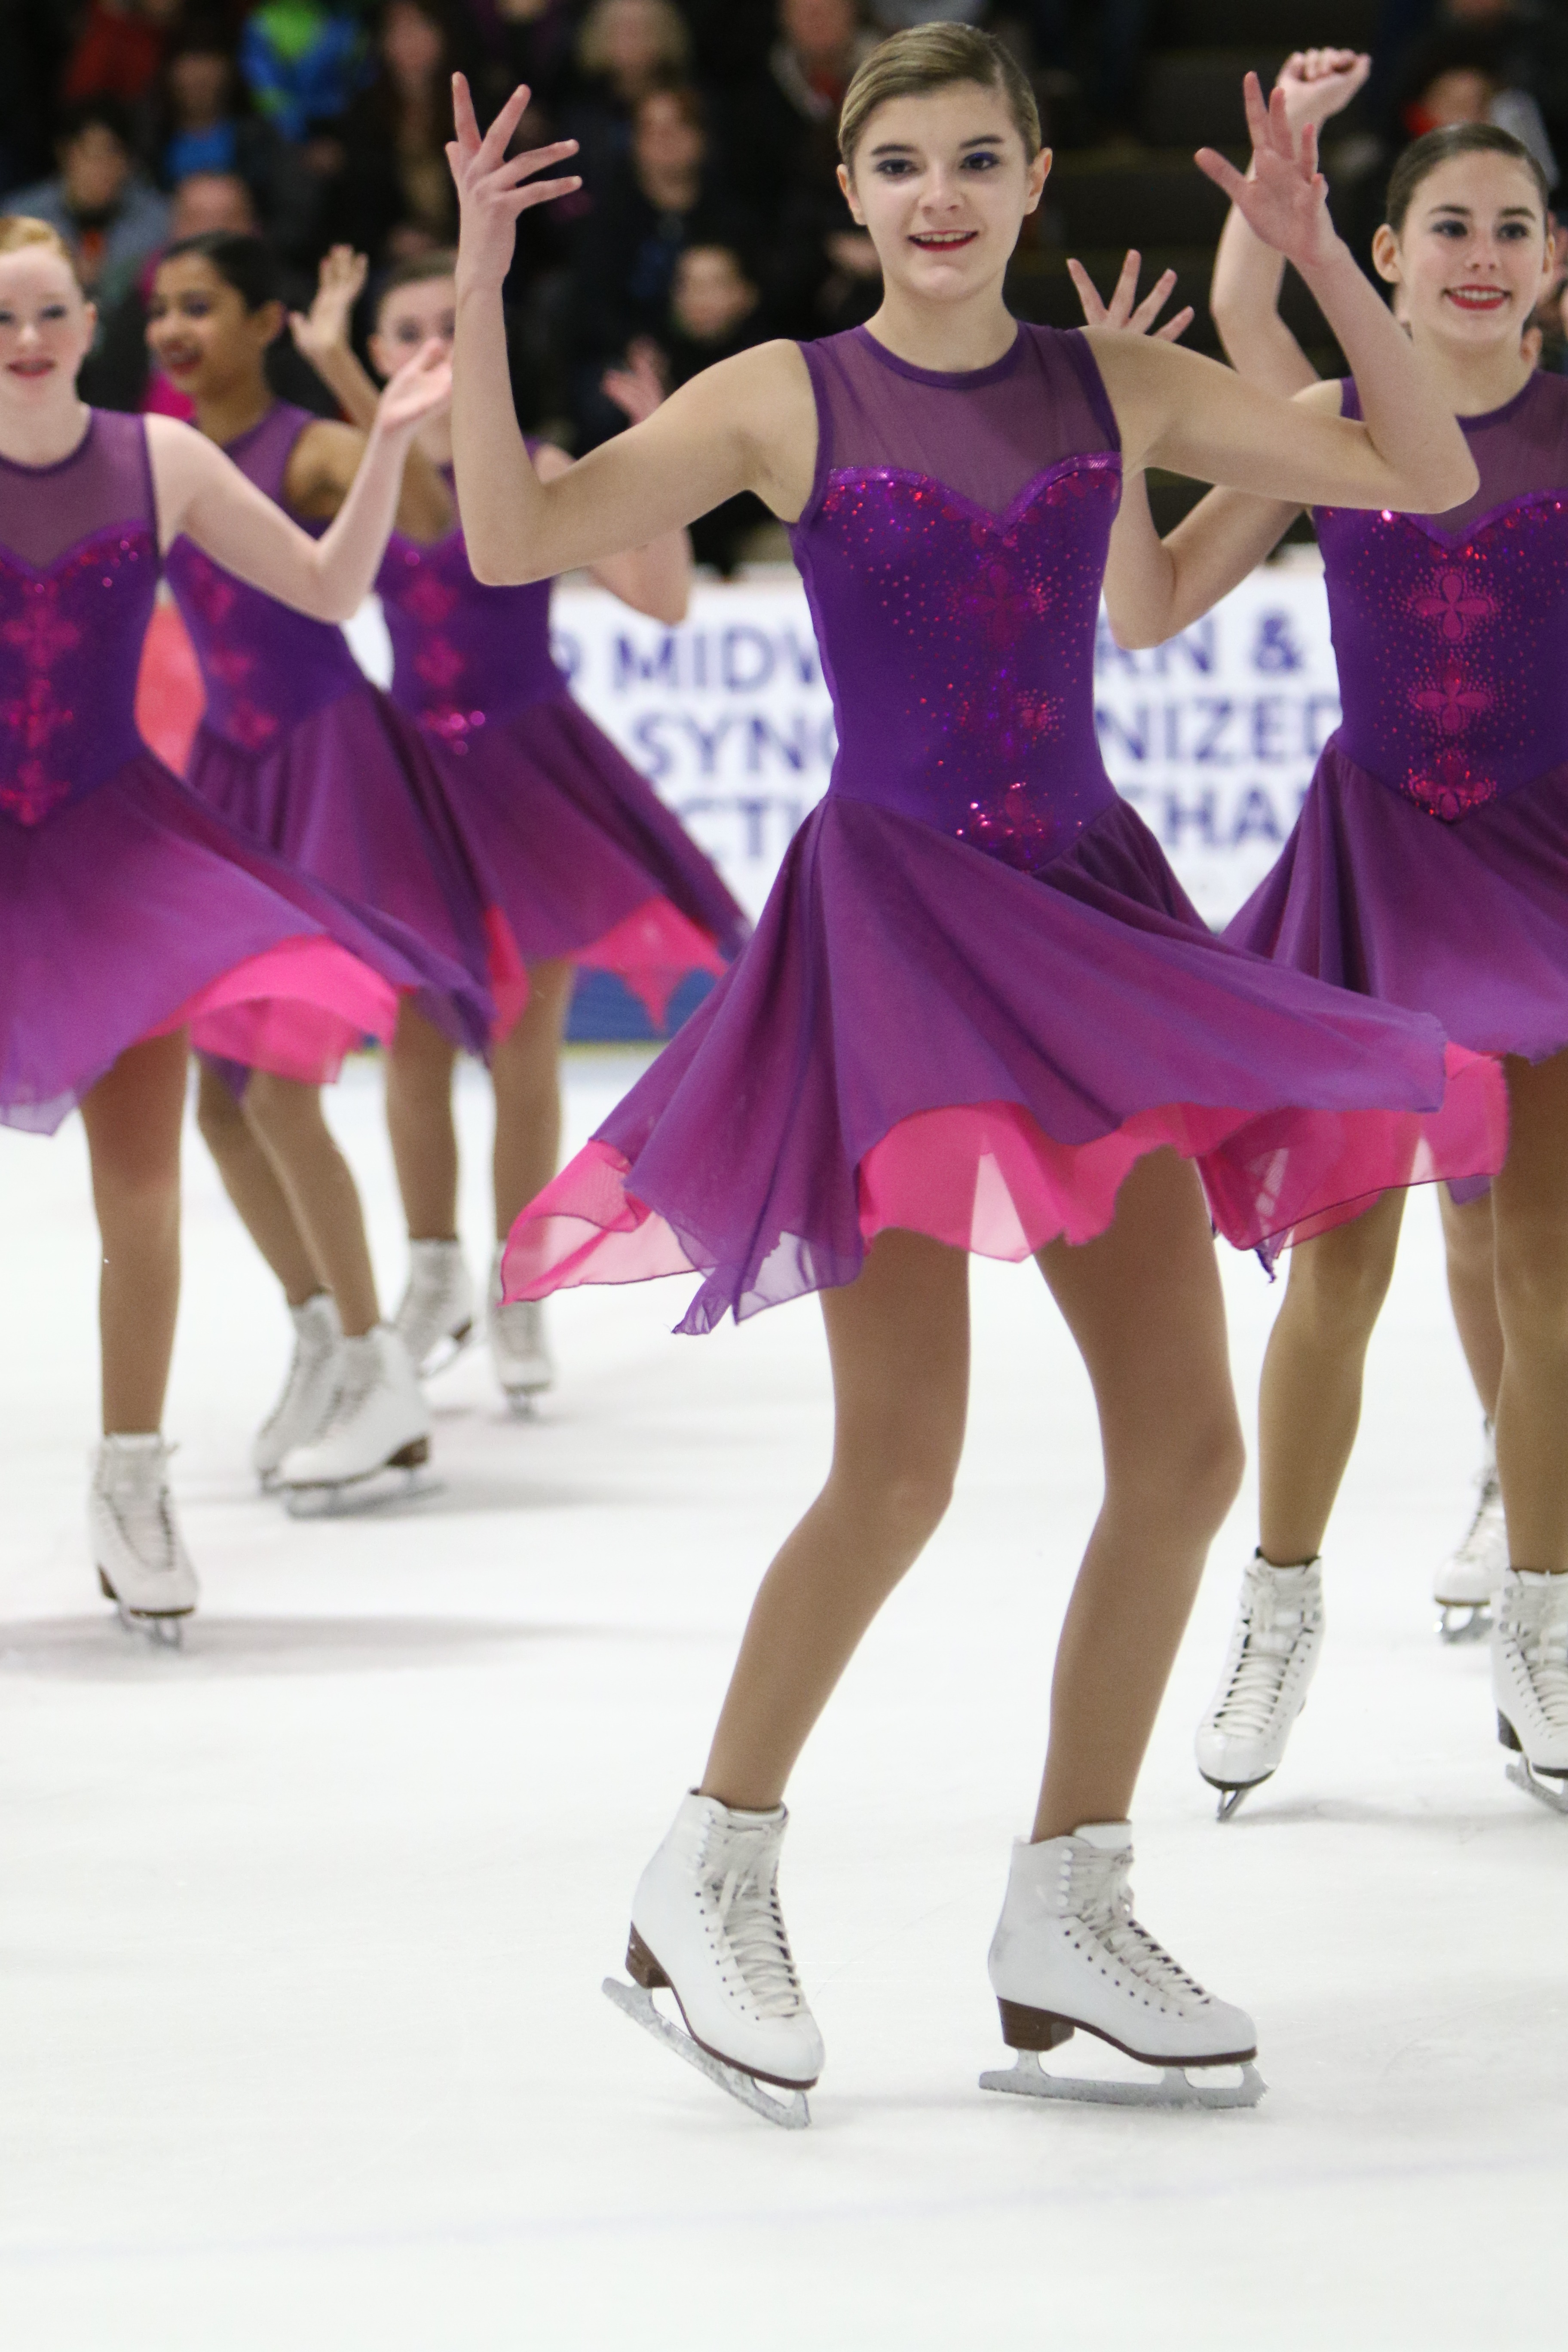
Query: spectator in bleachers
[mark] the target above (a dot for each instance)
(531, 41)
(119, 53)
(625, 49)
(393, 197)
(302, 62)
(715, 310)
(208, 129)
(664, 195)
(1094, 48)
(99, 201)
(822, 270)
(1460, 74)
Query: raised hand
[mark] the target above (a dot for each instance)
(324, 327)
(638, 388)
(1120, 310)
(1284, 198)
(421, 388)
(1321, 83)
(493, 189)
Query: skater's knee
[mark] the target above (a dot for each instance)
(904, 1498)
(1338, 1282)
(1532, 1283)
(279, 1108)
(220, 1114)
(137, 1195)
(1187, 1479)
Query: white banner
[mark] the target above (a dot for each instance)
(1213, 738)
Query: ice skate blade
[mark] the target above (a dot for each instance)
(791, 2115)
(1554, 1797)
(1229, 1798)
(165, 1632)
(445, 1352)
(379, 1491)
(522, 1403)
(1175, 2088)
(1464, 1621)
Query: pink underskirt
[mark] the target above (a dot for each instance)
(651, 951)
(985, 1177)
(297, 1010)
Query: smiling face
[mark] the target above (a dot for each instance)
(1471, 258)
(200, 333)
(942, 182)
(45, 329)
(410, 316)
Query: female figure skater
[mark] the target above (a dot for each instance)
(1427, 870)
(300, 752)
(128, 911)
(582, 862)
(977, 1011)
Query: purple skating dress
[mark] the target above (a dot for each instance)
(1429, 865)
(579, 856)
(128, 909)
(977, 994)
(300, 752)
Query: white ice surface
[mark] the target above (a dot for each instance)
(301, 2044)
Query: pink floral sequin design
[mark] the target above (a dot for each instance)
(52, 625)
(464, 655)
(1449, 646)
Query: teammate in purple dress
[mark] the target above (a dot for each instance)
(130, 913)
(581, 861)
(1428, 869)
(977, 1012)
(300, 751)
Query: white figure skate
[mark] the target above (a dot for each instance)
(435, 1319)
(1272, 1658)
(518, 1347)
(705, 1925)
(142, 1566)
(379, 1422)
(1069, 1957)
(1530, 1681)
(309, 1391)
(1464, 1585)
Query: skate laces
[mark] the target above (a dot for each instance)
(1099, 1894)
(1538, 1625)
(1271, 1626)
(743, 1895)
(315, 1343)
(361, 1371)
(135, 1488)
(1473, 1551)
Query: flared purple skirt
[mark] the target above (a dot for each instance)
(921, 1036)
(134, 912)
(1467, 922)
(353, 798)
(581, 860)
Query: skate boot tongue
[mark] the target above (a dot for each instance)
(133, 1483)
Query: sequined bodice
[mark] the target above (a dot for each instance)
(1451, 630)
(265, 668)
(463, 656)
(952, 552)
(79, 567)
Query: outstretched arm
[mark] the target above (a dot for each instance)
(1178, 410)
(747, 423)
(321, 338)
(202, 494)
(1316, 85)
(1154, 587)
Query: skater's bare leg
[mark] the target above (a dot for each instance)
(525, 1067)
(1308, 1405)
(316, 1179)
(1472, 1292)
(132, 1117)
(899, 1343)
(252, 1183)
(1143, 1303)
(1530, 1214)
(421, 1127)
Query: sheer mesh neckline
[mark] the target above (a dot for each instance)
(56, 465)
(1501, 416)
(950, 379)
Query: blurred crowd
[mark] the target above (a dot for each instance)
(709, 215)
